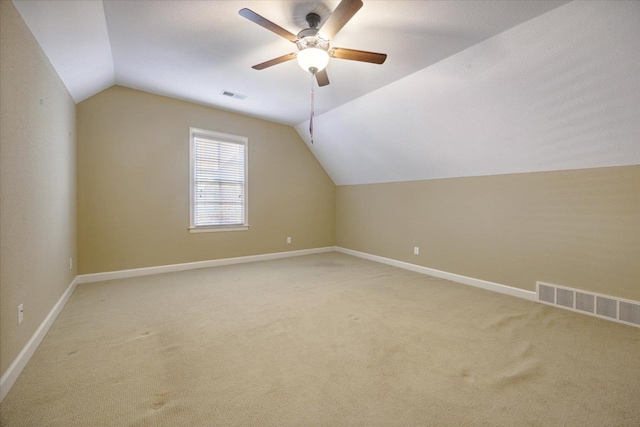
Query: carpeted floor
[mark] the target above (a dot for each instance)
(325, 339)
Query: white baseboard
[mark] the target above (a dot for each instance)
(491, 286)
(14, 370)
(135, 272)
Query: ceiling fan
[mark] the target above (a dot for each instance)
(313, 43)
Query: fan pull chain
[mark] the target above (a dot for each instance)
(312, 109)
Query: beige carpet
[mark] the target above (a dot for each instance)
(325, 339)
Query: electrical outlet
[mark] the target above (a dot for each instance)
(416, 250)
(288, 240)
(20, 313)
(70, 263)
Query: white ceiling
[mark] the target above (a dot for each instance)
(469, 87)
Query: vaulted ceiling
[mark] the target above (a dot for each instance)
(469, 87)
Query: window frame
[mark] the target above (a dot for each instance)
(220, 137)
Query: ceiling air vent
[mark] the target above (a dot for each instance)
(233, 95)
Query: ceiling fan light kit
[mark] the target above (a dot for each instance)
(313, 59)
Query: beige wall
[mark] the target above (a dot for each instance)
(133, 185)
(572, 228)
(37, 185)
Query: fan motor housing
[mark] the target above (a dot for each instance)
(309, 36)
(308, 32)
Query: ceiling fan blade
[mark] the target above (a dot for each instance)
(275, 61)
(264, 22)
(339, 17)
(322, 78)
(358, 55)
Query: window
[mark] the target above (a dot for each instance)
(218, 181)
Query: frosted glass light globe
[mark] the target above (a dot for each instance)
(313, 57)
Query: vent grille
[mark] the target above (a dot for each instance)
(565, 297)
(585, 302)
(607, 307)
(547, 293)
(630, 312)
(233, 95)
(603, 306)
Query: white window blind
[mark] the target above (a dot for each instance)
(218, 179)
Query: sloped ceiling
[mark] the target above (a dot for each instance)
(469, 87)
(559, 92)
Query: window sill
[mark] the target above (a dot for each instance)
(218, 229)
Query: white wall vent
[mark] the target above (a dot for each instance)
(594, 304)
(546, 293)
(630, 312)
(585, 302)
(564, 297)
(233, 95)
